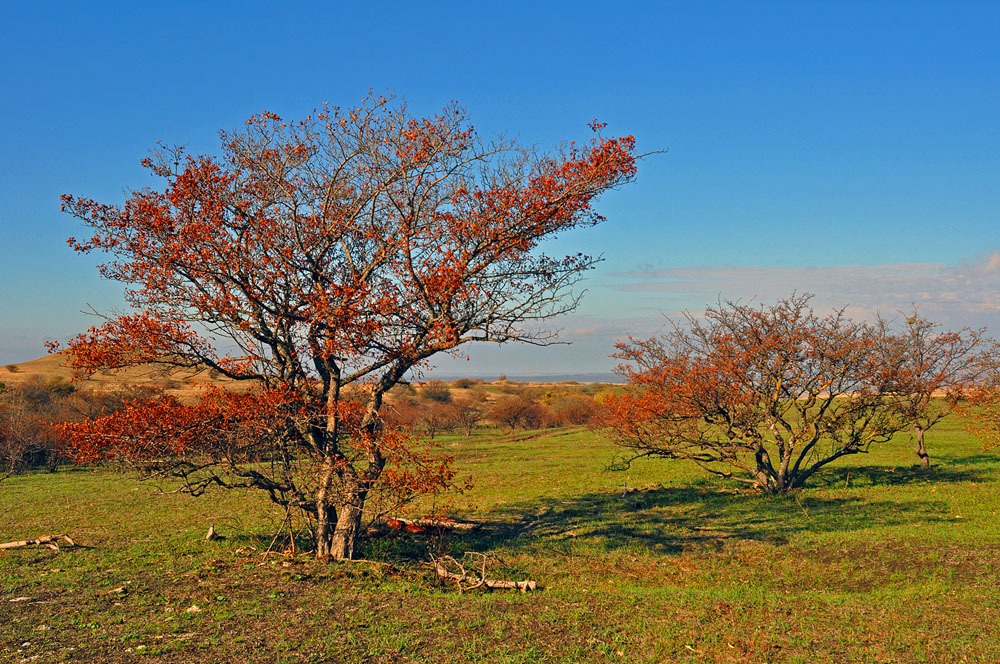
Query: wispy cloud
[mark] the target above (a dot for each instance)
(967, 293)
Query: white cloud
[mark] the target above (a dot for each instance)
(956, 295)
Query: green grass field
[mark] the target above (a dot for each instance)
(876, 561)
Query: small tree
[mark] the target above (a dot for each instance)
(436, 416)
(980, 409)
(571, 409)
(934, 371)
(765, 395)
(344, 249)
(467, 414)
(436, 391)
(517, 412)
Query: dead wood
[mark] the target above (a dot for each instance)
(422, 525)
(49, 541)
(470, 580)
(443, 523)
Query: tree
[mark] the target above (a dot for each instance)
(436, 391)
(467, 414)
(436, 416)
(347, 248)
(570, 409)
(934, 371)
(981, 407)
(764, 395)
(517, 411)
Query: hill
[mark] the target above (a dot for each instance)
(182, 383)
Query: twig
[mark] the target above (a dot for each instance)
(804, 510)
(281, 527)
(50, 541)
(468, 581)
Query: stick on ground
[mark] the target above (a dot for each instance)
(50, 541)
(470, 581)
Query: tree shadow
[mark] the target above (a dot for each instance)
(866, 476)
(679, 519)
(992, 460)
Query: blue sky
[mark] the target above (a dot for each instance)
(852, 150)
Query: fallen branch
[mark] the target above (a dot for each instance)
(470, 581)
(428, 523)
(49, 541)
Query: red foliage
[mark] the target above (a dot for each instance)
(344, 249)
(934, 371)
(764, 395)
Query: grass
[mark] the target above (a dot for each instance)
(875, 561)
(185, 384)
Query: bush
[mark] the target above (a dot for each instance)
(571, 409)
(517, 412)
(468, 414)
(436, 391)
(28, 439)
(512, 388)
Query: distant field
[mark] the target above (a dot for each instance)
(875, 562)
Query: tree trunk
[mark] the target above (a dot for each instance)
(338, 526)
(326, 517)
(345, 535)
(921, 450)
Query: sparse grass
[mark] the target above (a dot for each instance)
(890, 564)
(185, 384)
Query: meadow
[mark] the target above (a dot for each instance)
(875, 561)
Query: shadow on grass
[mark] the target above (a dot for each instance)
(973, 460)
(866, 476)
(677, 519)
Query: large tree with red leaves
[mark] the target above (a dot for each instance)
(766, 395)
(318, 262)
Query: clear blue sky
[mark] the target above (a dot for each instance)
(848, 149)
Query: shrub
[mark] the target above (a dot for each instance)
(517, 412)
(468, 414)
(570, 409)
(436, 391)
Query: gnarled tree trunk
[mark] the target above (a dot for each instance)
(345, 535)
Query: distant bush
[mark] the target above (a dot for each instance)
(400, 390)
(517, 412)
(570, 409)
(13, 368)
(28, 439)
(424, 416)
(464, 383)
(437, 391)
(468, 414)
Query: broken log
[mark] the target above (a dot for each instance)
(468, 581)
(421, 525)
(441, 522)
(50, 541)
